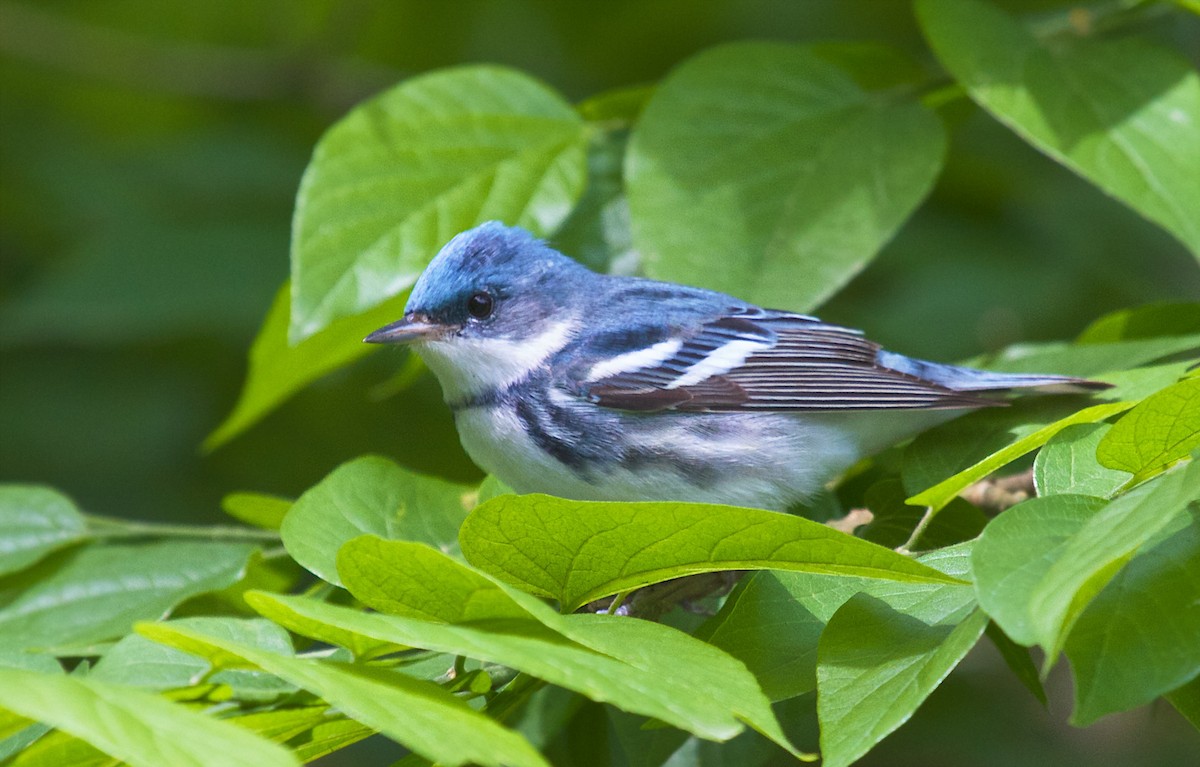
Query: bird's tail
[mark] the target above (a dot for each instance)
(970, 379)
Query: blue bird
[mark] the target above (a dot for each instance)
(598, 387)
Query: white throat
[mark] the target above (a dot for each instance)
(467, 367)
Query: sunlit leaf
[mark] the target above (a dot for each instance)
(789, 174)
(411, 581)
(1068, 464)
(97, 592)
(433, 723)
(33, 522)
(877, 662)
(139, 662)
(1122, 113)
(1136, 640)
(371, 495)
(401, 174)
(1016, 551)
(136, 727)
(578, 551)
(1161, 430)
(963, 437)
(1101, 547)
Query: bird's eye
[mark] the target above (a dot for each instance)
(479, 305)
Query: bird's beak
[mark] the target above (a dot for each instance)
(412, 328)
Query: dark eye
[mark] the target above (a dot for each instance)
(480, 305)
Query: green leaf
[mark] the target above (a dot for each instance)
(1067, 464)
(877, 662)
(578, 551)
(1137, 639)
(139, 662)
(18, 732)
(1101, 547)
(375, 496)
(95, 593)
(789, 175)
(1016, 551)
(34, 521)
(530, 646)
(1149, 321)
(964, 436)
(774, 620)
(401, 174)
(415, 713)
(1186, 701)
(278, 369)
(258, 509)
(412, 581)
(135, 727)
(1122, 113)
(1093, 359)
(1161, 430)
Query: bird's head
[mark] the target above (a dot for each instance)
(494, 294)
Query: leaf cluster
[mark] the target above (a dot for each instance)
(461, 621)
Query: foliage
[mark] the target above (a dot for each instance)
(452, 616)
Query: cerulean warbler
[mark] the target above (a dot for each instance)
(597, 387)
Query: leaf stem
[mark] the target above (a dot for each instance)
(110, 527)
(907, 547)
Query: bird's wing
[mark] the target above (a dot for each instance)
(755, 360)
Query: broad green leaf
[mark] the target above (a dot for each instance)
(530, 646)
(1016, 551)
(578, 551)
(1122, 113)
(1161, 430)
(1137, 639)
(34, 521)
(97, 592)
(1105, 542)
(417, 714)
(412, 581)
(278, 369)
(135, 727)
(139, 662)
(371, 495)
(402, 173)
(59, 749)
(877, 662)
(258, 509)
(774, 620)
(1067, 464)
(947, 443)
(1098, 359)
(1186, 700)
(18, 732)
(1149, 321)
(789, 175)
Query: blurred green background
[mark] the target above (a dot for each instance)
(149, 155)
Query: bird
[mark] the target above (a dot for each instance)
(599, 387)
